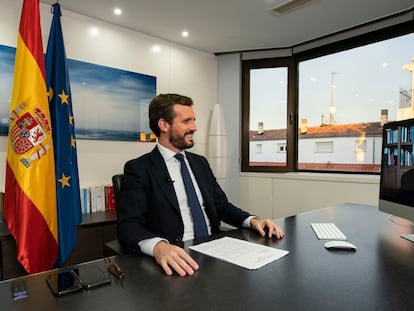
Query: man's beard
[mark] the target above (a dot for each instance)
(179, 141)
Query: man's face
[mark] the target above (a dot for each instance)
(182, 127)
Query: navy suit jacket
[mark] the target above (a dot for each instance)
(148, 205)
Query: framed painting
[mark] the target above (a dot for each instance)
(108, 103)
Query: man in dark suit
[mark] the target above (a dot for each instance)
(155, 212)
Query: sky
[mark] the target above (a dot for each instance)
(365, 80)
(109, 98)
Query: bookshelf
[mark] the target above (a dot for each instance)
(398, 155)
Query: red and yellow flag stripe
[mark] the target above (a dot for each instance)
(30, 194)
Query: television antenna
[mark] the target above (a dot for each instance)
(332, 108)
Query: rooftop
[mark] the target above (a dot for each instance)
(323, 131)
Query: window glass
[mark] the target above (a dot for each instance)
(267, 119)
(344, 98)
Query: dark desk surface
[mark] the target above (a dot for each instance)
(379, 276)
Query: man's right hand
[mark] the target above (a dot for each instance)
(171, 257)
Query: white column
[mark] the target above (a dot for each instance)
(217, 145)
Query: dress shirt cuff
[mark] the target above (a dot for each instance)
(147, 246)
(246, 222)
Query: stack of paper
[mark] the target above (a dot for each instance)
(239, 252)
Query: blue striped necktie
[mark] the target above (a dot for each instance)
(200, 226)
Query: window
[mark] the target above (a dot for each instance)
(324, 147)
(265, 113)
(322, 105)
(351, 94)
(281, 148)
(360, 146)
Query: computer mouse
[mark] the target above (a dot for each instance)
(340, 245)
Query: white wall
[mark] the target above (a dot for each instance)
(178, 69)
(343, 150)
(229, 99)
(280, 195)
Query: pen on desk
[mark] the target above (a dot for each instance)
(114, 269)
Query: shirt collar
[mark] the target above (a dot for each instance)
(166, 153)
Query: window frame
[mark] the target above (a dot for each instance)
(287, 62)
(382, 29)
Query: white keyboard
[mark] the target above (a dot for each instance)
(328, 231)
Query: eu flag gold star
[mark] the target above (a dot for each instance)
(63, 97)
(73, 141)
(64, 180)
(50, 93)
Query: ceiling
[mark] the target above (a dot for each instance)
(218, 26)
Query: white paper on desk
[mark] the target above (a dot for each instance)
(239, 252)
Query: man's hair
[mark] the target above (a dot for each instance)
(161, 107)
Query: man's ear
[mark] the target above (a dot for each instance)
(163, 125)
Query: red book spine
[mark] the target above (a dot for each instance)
(110, 198)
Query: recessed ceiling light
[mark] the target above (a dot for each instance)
(117, 11)
(185, 34)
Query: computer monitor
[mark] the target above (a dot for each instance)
(396, 195)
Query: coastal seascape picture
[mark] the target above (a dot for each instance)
(108, 103)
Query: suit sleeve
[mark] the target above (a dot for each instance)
(148, 204)
(132, 209)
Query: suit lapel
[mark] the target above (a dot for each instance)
(160, 174)
(198, 174)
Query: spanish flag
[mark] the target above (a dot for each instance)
(30, 194)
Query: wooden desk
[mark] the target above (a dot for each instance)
(379, 276)
(95, 230)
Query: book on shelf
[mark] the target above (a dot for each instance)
(97, 199)
(392, 136)
(407, 134)
(85, 201)
(109, 198)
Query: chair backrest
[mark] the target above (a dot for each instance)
(113, 247)
(116, 184)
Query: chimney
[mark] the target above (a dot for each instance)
(384, 116)
(260, 130)
(303, 126)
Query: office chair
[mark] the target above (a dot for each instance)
(116, 184)
(113, 247)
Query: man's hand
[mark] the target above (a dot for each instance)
(171, 257)
(261, 224)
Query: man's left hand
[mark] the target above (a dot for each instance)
(260, 225)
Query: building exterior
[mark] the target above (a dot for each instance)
(354, 147)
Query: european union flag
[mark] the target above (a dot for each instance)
(63, 129)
